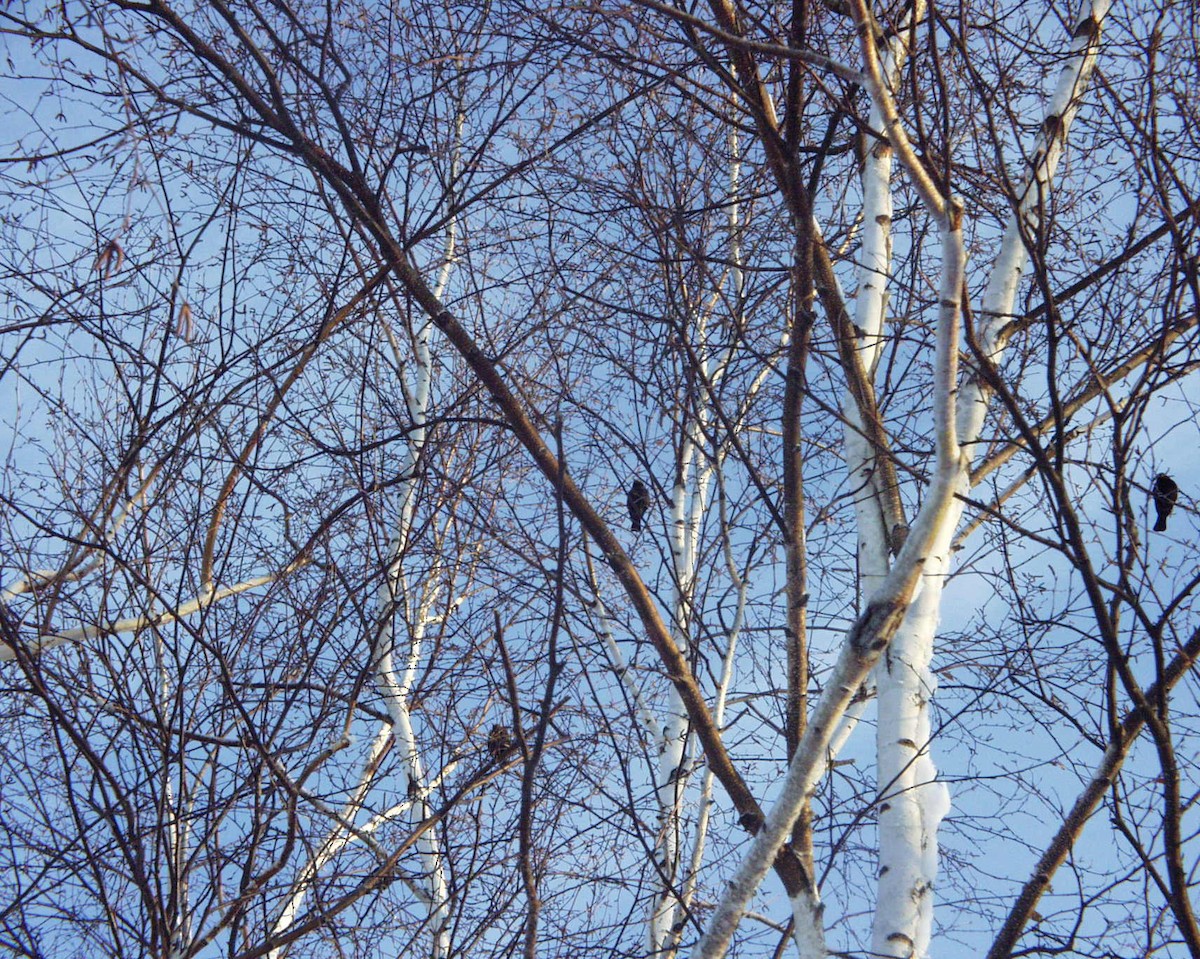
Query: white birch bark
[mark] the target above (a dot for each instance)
(996, 310)
(664, 924)
(669, 773)
(705, 800)
(689, 504)
(131, 624)
(875, 628)
(858, 656)
(337, 839)
(869, 319)
(79, 564)
(870, 308)
(396, 661)
(874, 537)
(395, 669)
(904, 682)
(395, 687)
(912, 803)
(871, 299)
(395, 681)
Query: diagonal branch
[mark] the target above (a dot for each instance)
(1102, 779)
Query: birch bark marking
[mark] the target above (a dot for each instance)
(873, 631)
(996, 309)
(912, 804)
(904, 682)
(865, 642)
(869, 319)
(805, 896)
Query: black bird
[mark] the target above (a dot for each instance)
(1164, 493)
(638, 502)
(499, 742)
(8, 627)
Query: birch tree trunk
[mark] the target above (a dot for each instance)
(290, 515)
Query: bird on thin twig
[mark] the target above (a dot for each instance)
(638, 502)
(1164, 493)
(499, 742)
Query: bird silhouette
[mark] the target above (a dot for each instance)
(638, 502)
(499, 742)
(1164, 492)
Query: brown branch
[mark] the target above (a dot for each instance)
(735, 41)
(364, 207)
(678, 671)
(332, 323)
(1089, 390)
(1110, 765)
(858, 382)
(762, 107)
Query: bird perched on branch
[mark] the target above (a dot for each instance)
(8, 627)
(1164, 493)
(638, 502)
(499, 742)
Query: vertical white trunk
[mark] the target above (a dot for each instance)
(705, 800)
(903, 680)
(671, 772)
(395, 683)
(395, 691)
(669, 777)
(875, 261)
(809, 760)
(735, 223)
(393, 680)
(177, 830)
(689, 503)
(912, 803)
(874, 628)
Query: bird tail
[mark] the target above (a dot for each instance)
(1161, 525)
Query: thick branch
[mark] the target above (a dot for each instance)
(1073, 823)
